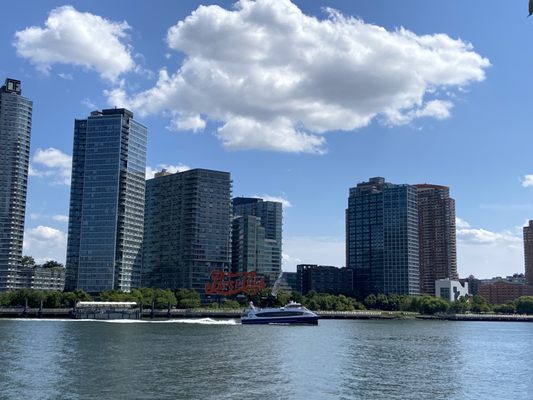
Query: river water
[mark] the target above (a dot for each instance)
(204, 359)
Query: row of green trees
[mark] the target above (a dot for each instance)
(49, 299)
(186, 298)
(522, 305)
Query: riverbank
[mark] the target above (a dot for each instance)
(66, 313)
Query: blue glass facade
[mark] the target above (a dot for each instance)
(15, 131)
(267, 245)
(107, 202)
(382, 238)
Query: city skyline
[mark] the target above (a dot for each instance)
(477, 147)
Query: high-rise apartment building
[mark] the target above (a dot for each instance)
(187, 228)
(382, 238)
(256, 244)
(248, 245)
(106, 215)
(528, 252)
(15, 131)
(436, 236)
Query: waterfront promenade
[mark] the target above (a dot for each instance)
(67, 313)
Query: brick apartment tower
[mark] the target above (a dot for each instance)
(437, 238)
(528, 252)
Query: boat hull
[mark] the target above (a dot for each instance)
(310, 320)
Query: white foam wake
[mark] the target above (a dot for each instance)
(198, 321)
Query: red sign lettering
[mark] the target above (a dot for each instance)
(227, 284)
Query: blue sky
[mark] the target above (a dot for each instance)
(299, 101)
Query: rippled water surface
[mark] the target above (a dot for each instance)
(186, 359)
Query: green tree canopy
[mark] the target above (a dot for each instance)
(188, 298)
(524, 305)
(28, 261)
(52, 264)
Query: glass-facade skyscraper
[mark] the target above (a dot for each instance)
(436, 236)
(257, 242)
(248, 252)
(187, 228)
(106, 215)
(15, 131)
(382, 238)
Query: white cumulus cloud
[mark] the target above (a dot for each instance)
(51, 163)
(45, 243)
(274, 78)
(78, 38)
(487, 254)
(527, 181)
(461, 223)
(151, 171)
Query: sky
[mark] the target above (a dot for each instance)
(298, 100)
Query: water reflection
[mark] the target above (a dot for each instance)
(413, 360)
(31, 359)
(335, 360)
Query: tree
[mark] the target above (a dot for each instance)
(28, 261)
(297, 297)
(370, 301)
(282, 298)
(507, 308)
(188, 298)
(113, 295)
(69, 299)
(231, 304)
(432, 305)
(6, 298)
(165, 298)
(480, 304)
(52, 264)
(460, 306)
(52, 299)
(524, 305)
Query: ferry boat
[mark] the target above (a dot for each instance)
(292, 313)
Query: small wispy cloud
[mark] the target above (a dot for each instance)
(65, 76)
(56, 217)
(60, 218)
(527, 181)
(89, 104)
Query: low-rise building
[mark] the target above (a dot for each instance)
(473, 284)
(42, 278)
(450, 289)
(324, 279)
(502, 290)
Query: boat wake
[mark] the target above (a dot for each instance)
(197, 321)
